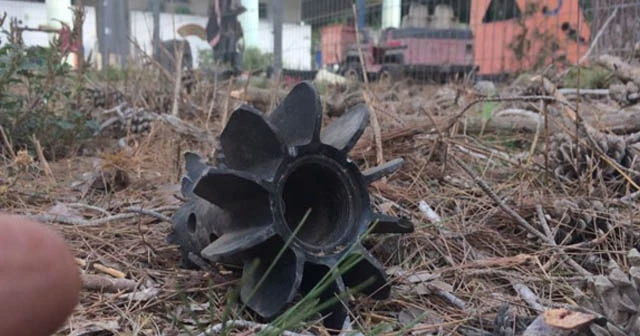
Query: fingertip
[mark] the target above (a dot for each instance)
(40, 283)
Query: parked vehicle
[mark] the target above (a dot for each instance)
(417, 52)
(502, 37)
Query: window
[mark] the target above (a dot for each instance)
(501, 10)
(263, 10)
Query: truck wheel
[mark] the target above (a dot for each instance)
(390, 74)
(353, 73)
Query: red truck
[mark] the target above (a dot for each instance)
(429, 44)
(423, 53)
(434, 43)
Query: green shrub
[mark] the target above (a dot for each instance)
(254, 59)
(37, 98)
(183, 10)
(587, 78)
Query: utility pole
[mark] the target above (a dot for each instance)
(156, 29)
(362, 14)
(277, 10)
(112, 20)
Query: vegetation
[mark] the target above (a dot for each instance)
(584, 77)
(38, 93)
(253, 59)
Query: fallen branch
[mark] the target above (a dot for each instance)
(256, 95)
(151, 212)
(129, 213)
(508, 120)
(187, 129)
(107, 285)
(575, 92)
(620, 68)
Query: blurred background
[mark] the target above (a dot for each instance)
(486, 38)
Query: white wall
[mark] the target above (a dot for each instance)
(296, 38)
(142, 30)
(292, 10)
(32, 14)
(296, 44)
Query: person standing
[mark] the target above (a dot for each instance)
(224, 33)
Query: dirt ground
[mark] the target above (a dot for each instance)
(510, 221)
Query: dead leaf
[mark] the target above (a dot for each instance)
(566, 319)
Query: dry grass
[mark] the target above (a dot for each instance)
(478, 254)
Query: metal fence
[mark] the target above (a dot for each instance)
(488, 37)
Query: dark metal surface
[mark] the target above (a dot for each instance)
(273, 174)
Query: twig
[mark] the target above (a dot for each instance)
(631, 197)
(178, 82)
(49, 218)
(528, 296)
(545, 111)
(543, 221)
(105, 284)
(573, 91)
(130, 213)
(375, 123)
(225, 107)
(483, 185)
(449, 297)
(152, 61)
(5, 139)
(148, 212)
(196, 259)
(90, 207)
(273, 95)
(42, 159)
(81, 262)
(521, 221)
(598, 35)
(213, 97)
(216, 329)
(108, 270)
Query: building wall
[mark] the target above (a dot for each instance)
(292, 8)
(194, 7)
(296, 44)
(296, 37)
